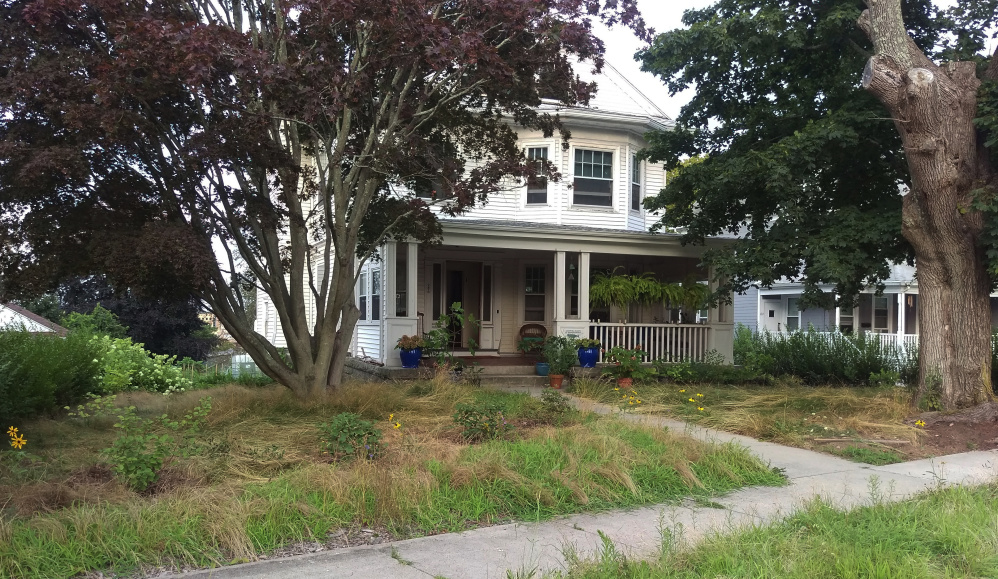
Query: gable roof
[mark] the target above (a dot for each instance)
(617, 104)
(11, 314)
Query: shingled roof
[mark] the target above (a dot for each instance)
(52, 327)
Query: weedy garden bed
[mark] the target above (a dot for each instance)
(865, 424)
(251, 478)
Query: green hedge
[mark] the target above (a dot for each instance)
(39, 373)
(823, 358)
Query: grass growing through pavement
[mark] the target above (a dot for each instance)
(261, 482)
(945, 533)
(788, 414)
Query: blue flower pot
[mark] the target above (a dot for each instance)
(588, 357)
(542, 368)
(410, 358)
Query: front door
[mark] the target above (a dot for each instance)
(464, 286)
(772, 313)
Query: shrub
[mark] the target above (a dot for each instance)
(823, 358)
(126, 365)
(100, 321)
(144, 444)
(482, 421)
(348, 436)
(561, 354)
(40, 373)
(554, 403)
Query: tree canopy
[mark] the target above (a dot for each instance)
(135, 138)
(798, 158)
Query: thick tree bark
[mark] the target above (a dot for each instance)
(933, 108)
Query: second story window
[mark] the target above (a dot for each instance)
(593, 184)
(537, 184)
(635, 183)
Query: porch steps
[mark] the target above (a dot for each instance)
(514, 380)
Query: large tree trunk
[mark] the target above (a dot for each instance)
(933, 108)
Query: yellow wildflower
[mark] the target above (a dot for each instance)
(920, 423)
(17, 441)
(391, 417)
(683, 391)
(398, 425)
(12, 432)
(700, 408)
(617, 388)
(699, 395)
(691, 400)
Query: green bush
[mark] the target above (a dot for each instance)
(100, 321)
(126, 365)
(348, 436)
(554, 403)
(824, 358)
(482, 421)
(143, 444)
(40, 373)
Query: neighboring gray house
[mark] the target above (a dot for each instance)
(894, 313)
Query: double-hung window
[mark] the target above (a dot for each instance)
(369, 295)
(593, 183)
(537, 182)
(635, 183)
(793, 314)
(533, 299)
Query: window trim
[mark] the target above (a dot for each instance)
(614, 171)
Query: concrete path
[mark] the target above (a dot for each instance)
(524, 547)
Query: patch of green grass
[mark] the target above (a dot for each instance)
(262, 483)
(873, 456)
(945, 533)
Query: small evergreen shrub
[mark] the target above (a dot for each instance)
(348, 436)
(554, 403)
(482, 421)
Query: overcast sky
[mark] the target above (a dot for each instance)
(621, 44)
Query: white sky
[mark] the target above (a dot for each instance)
(621, 44)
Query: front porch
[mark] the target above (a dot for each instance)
(508, 279)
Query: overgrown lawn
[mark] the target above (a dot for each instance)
(259, 481)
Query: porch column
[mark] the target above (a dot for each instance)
(559, 286)
(412, 286)
(838, 315)
(901, 316)
(391, 277)
(584, 286)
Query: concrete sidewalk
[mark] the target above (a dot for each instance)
(523, 547)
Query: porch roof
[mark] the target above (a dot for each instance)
(549, 237)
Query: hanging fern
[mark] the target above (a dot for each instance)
(647, 290)
(671, 294)
(611, 290)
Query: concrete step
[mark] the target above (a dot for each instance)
(513, 380)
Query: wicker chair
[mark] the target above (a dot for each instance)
(531, 337)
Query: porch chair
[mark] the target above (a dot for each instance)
(531, 337)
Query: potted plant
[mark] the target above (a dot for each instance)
(588, 352)
(625, 365)
(561, 354)
(410, 350)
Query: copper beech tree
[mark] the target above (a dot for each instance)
(145, 139)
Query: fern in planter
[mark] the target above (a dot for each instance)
(695, 296)
(645, 288)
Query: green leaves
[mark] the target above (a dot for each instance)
(349, 436)
(792, 155)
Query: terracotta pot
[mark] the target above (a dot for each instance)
(556, 380)
(625, 382)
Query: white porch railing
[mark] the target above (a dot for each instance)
(668, 342)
